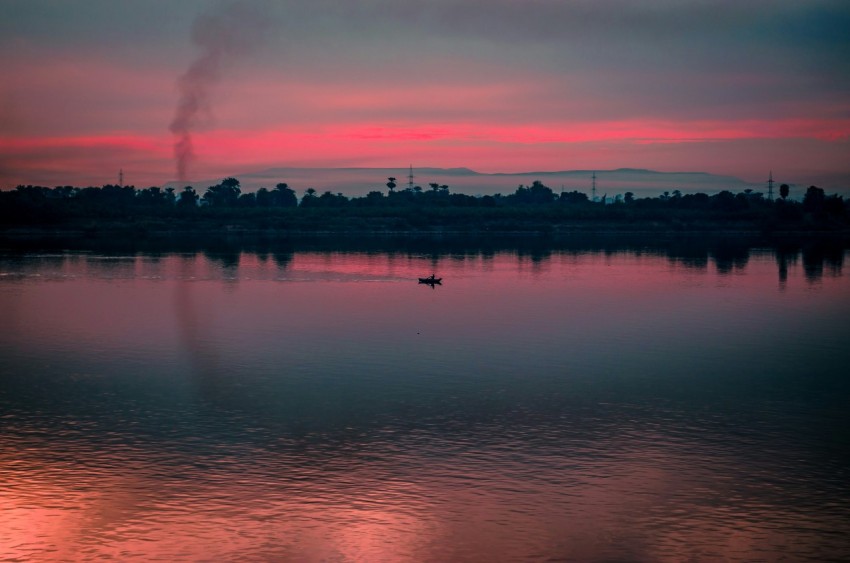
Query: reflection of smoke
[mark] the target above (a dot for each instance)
(223, 34)
(191, 329)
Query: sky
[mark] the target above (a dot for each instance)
(196, 89)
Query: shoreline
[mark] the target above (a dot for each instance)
(435, 240)
(602, 228)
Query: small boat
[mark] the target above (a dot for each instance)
(431, 280)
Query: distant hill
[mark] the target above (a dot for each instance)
(360, 181)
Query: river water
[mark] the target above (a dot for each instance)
(319, 405)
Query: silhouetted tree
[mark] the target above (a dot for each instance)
(284, 196)
(784, 190)
(573, 197)
(724, 201)
(814, 198)
(264, 198)
(309, 199)
(374, 198)
(329, 199)
(151, 197)
(187, 199)
(225, 194)
(402, 209)
(536, 194)
(247, 200)
(695, 201)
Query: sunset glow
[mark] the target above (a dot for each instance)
(506, 87)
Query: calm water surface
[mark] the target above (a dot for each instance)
(321, 406)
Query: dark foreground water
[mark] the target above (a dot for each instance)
(323, 406)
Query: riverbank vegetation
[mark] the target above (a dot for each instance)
(529, 209)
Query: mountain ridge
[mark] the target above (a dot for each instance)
(466, 170)
(358, 181)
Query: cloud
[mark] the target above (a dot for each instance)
(84, 160)
(513, 84)
(82, 95)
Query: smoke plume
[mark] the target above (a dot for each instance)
(224, 34)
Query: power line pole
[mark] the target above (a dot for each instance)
(593, 191)
(770, 187)
(121, 178)
(410, 179)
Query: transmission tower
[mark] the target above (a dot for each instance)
(593, 190)
(770, 187)
(121, 178)
(410, 179)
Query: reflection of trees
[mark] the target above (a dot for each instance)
(538, 254)
(112, 267)
(818, 257)
(224, 253)
(282, 258)
(815, 257)
(729, 256)
(785, 255)
(688, 255)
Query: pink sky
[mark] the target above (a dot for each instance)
(502, 86)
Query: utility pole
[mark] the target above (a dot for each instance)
(770, 187)
(121, 178)
(593, 191)
(410, 179)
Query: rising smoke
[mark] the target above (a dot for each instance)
(226, 33)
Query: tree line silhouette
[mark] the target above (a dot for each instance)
(528, 208)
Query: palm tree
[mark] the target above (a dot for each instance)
(284, 196)
(309, 198)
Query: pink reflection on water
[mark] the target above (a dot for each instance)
(156, 306)
(637, 498)
(631, 505)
